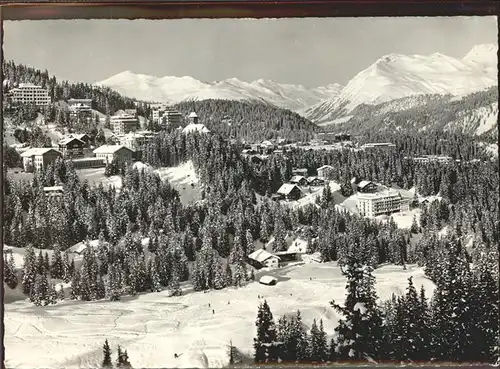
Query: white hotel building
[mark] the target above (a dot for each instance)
(380, 203)
(28, 93)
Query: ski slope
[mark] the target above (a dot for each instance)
(153, 327)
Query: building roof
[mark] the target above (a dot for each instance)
(297, 179)
(363, 184)
(110, 149)
(193, 115)
(310, 179)
(267, 143)
(53, 188)
(67, 140)
(287, 188)
(325, 167)
(267, 279)
(261, 255)
(36, 151)
(78, 135)
(379, 195)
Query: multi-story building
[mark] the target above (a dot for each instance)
(171, 118)
(28, 93)
(124, 123)
(193, 118)
(118, 153)
(380, 203)
(39, 158)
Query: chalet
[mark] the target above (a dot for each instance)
(300, 172)
(290, 191)
(39, 158)
(71, 147)
(53, 192)
(82, 137)
(315, 181)
(325, 172)
(262, 258)
(80, 107)
(286, 255)
(298, 180)
(118, 153)
(367, 187)
(277, 197)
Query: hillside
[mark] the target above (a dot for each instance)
(474, 114)
(176, 89)
(396, 76)
(248, 120)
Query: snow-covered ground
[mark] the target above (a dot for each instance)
(152, 327)
(182, 177)
(96, 176)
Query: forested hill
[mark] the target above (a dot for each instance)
(474, 114)
(249, 120)
(106, 100)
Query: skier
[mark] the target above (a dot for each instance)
(176, 356)
(213, 311)
(228, 303)
(208, 304)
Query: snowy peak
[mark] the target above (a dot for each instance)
(396, 76)
(171, 90)
(485, 54)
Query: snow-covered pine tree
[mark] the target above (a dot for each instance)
(106, 362)
(29, 269)
(265, 342)
(174, 286)
(155, 278)
(220, 278)
(57, 266)
(9, 271)
(46, 262)
(360, 333)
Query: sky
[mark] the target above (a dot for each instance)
(308, 51)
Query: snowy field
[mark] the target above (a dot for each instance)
(152, 327)
(182, 177)
(95, 176)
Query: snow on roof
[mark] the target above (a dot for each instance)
(109, 149)
(325, 167)
(67, 140)
(35, 151)
(78, 135)
(286, 188)
(310, 179)
(195, 127)
(363, 184)
(267, 279)
(267, 143)
(261, 255)
(296, 178)
(81, 246)
(193, 115)
(53, 188)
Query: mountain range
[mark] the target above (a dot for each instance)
(172, 90)
(391, 77)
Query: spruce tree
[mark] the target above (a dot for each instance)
(57, 266)
(29, 269)
(360, 333)
(265, 342)
(9, 271)
(106, 362)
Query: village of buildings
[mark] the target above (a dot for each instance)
(129, 137)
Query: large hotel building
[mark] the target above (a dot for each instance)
(124, 123)
(28, 93)
(381, 203)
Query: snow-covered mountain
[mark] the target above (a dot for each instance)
(396, 76)
(176, 89)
